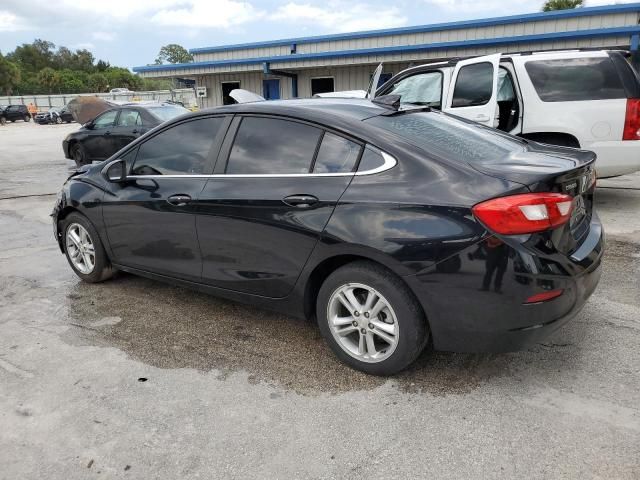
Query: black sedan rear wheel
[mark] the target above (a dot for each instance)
(58, 120)
(27, 118)
(78, 154)
(370, 319)
(3, 120)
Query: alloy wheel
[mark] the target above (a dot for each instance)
(363, 322)
(80, 248)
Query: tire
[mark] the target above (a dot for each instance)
(78, 154)
(3, 121)
(27, 118)
(101, 269)
(402, 315)
(58, 120)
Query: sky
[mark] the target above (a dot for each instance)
(130, 33)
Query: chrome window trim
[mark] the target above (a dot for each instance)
(389, 163)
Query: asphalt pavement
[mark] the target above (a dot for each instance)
(137, 379)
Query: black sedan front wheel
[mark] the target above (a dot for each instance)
(370, 319)
(78, 154)
(84, 250)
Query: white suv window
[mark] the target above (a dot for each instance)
(575, 79)
(422, 89)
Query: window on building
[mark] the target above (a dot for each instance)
(574, 79)
(474, 85)
(272, 146)
(179, 150)
(336, 155)
(227, 87)
(322, 85)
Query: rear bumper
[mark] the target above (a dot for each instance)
(466, 318)
(616, 158)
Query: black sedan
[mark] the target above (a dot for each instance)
(390, 227)
(114, 129)
(54, 115)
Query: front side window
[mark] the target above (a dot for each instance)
(129, 118)
(474, 85)
(336, 155)
(272, 146)
(180, 150)
(575, 79)
(420, 89)
(106, 119)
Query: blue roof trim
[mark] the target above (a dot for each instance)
(486, 22)
(576, 34)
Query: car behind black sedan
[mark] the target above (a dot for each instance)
(391, 228)
(54, 115)
(115, 128)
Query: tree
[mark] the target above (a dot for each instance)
(101, 66)
(49, 78)
(9, 75)
(551, 5)
(33, 57)
(98, 82)
(173, 53)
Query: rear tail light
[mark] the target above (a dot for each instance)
(632, 120)
(526, 213)
(544, 296)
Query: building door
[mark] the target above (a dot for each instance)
(227, 87)
(271, 89)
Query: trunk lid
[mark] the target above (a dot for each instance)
(546, 168)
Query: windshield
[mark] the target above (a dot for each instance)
(420, 89)
(167, 112)
(449, 137)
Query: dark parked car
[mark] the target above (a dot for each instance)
(15, 112)
(390, 227)
(54, 115)
(115, 128)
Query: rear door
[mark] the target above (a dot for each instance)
(276, 184)
(150, 218)
(128, 127)
(473, 92)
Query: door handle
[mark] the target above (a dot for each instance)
(135, 131)
(300, 201)
(179, 200)
(482, 118)
(107, 133)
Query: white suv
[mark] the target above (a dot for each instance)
(582, 99)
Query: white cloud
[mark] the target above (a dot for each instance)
(104, 36)
(341, 17)
(83, 46)
(10, 22)
(203, 13)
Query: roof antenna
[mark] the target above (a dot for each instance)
(388, 101)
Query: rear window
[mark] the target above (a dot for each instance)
(167, 112)
(575, 79)
(448, 137)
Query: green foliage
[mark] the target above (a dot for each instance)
(551, 5)
(173, 53)
(9, 75)
(41, 68)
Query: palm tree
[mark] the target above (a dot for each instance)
(551, 5)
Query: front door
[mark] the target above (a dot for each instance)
(263, 212)
(473, 92)
(99, 143)
(128, 127)
(150, 218)
(271, 89)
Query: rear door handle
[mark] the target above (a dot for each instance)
(179, 200)
(483, 118)
(300, 201)
(107, 133)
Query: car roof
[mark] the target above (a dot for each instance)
(346, 108)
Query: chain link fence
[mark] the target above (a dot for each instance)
(185, 96)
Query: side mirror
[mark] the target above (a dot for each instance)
(116, 171)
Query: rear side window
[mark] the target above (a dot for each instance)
(336, 155)
(129, 118)
(272, 146)
(575, 79)
(371, 159)
(179, 150)
(474, 85)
